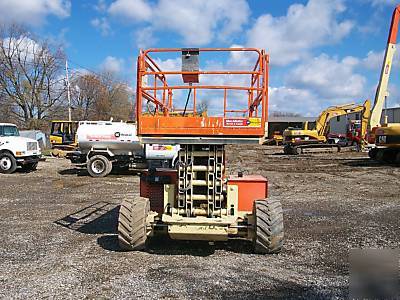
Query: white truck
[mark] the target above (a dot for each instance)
(106, 145)
(17, 151)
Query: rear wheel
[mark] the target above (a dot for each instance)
(8, 163)
(99, 166)
(268, 229)
(132, 223)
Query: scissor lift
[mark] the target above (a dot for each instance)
(197, 200)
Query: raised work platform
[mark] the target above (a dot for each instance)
(196, 105)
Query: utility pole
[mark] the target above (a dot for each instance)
(68, 92)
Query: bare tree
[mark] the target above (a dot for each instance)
(202, 107)
(86, 90)
(30, 81)
(100, 97)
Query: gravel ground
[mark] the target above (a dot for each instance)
(58, 233)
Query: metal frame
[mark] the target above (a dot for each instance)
(168, 121)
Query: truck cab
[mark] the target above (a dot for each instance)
(17, 151)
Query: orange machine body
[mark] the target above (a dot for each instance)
(242, 101)
(251, 188)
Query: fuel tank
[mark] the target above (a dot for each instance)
(121, 139)
(114, 136)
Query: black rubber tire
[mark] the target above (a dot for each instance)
(397, 159)
(268, 229)
(381, 155)
(11, 163)
(132, 224)
(372, 153)
(104, 166)
(30, 167)
(297, 151)
(286, 149)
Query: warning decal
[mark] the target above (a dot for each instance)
(242, 122)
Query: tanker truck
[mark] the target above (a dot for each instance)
(106, 145)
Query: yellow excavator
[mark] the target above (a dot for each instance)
(63, 137)
(386, 137)
(295, 140)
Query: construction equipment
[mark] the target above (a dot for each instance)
(63, 137)
(198, 200)
(104, 145)
(386, 137)
(277, 139)
(295, 140)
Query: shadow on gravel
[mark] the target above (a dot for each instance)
(98, 218)
(367, 163)
(163, 245)
(83, 172)
(77, 172)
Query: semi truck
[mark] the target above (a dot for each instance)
(17, 151)
(106, 145)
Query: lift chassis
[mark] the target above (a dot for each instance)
(198, 200)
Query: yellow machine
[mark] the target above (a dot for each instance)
(63, 136)
(295, 140)
(276, 139)
(386, 137)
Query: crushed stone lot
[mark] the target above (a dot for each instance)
(58, 233)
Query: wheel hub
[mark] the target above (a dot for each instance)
(5, 163)
(98, 167)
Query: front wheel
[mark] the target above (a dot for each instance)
(132, 223)
(99, 166)
(268, 227)
(8, 163)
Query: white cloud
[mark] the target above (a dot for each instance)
(144, 38)
(102, 25)
(101, 6)
(329, 77)
(290, 38)
(197, 22)
(293, 100)
(374, 60)
(132, 10)
(24, 47)
(113, 65)
(33, 12)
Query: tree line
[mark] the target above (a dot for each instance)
(33, 89)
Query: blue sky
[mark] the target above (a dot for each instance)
(323, 52)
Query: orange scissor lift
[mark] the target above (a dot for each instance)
(197, 200)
